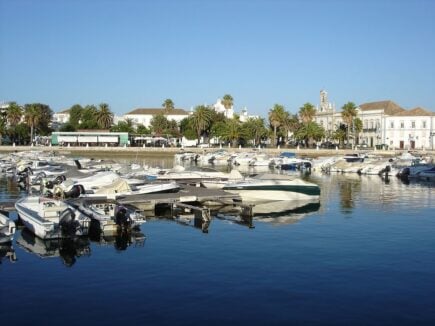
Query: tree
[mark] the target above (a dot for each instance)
(307, 112)
(348, 113)
(340, 134)
(254, 129)
(276, 117)
(104, 116)
(232, 131)
(291, 124)
(186, 128)
(310, 131)
(227, 101)
(142, 130)
(89, 117)
(159, 123)
(123, 126)
(67, 127)
(14, 114)
(358, 126)
(31, 116)
(168, 105)
(75, 115)
(200, 120)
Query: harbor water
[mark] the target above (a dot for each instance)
(364, 256)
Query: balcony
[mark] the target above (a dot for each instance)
(370, 129)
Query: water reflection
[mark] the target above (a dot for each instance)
(68, 249)
(7, 253)
(120, 240)
(289, 216)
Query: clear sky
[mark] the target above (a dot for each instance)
(132, 53)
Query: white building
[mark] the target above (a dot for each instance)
(244, 116)
(412, 129)
(61, 117)
(144, 116)
(220, 108)
(326, 116)
(384, 123)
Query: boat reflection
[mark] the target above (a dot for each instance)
(68, 249)
(7, 253)
(120, 240)
(289, 216)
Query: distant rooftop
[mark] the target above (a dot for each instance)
(416, 112)
(389, 107)
(153, 111)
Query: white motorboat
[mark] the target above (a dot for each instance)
(110, 216)
(7, 229)
(179, 173)
(49, 218)
(418, 170)
(273, 187)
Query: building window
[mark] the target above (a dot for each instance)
(402, 124)
(413, 124)
(423, 124)
(392, 124)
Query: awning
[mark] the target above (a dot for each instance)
(108, 139)
(67, 139)
(88, 139)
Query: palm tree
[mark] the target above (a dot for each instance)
(277, 116)
(31, 116)
(104, 116)
(14, 114)
(290, 124)
(227, 101)
(307, 112)
(254, 129)
(309, 131)
(159, 123)
(358, 126)
(201, 119)
(168, 105)
(348, 113)
(232, 131)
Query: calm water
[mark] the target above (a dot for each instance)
(365, 256)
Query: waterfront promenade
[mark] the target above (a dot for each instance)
(110, 152)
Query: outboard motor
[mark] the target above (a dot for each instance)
(59, 179)
(121, 217)
(67, 222)
(404, 173)
(75, 191)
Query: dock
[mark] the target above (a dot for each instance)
(187, 194)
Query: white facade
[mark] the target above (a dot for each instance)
(410, 131)
(384, 123)
(326, 116)
(61, 117)
(244, 116)
(220, 108)
(144, 116)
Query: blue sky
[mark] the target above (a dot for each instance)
(135, 53)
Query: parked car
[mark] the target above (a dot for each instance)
(328, 144)
(203, 145)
